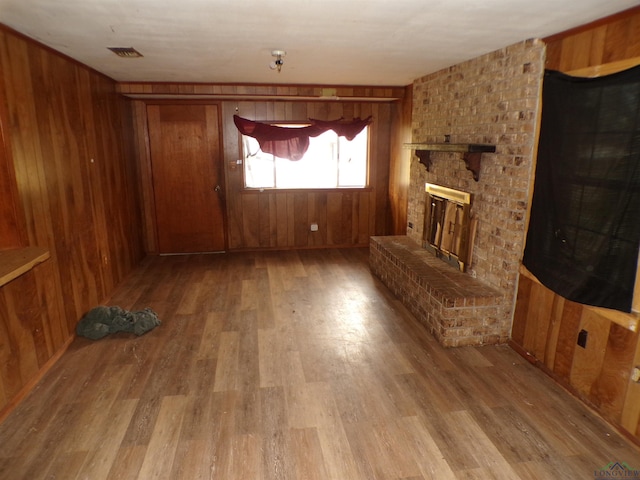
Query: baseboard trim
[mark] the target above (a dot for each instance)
(573, 392)
(30, 385)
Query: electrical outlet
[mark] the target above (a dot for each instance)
(582, 338)
(314, 227)
(410, 224)
(635, 374)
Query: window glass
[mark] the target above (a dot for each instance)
(330, 162)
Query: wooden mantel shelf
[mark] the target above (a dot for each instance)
(471, 153)
(17, 261)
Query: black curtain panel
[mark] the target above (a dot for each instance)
(584, 231)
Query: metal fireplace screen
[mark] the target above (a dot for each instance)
(447, 224)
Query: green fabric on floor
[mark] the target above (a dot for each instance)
(102, 321)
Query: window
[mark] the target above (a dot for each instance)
(584, 233)
(330, 162)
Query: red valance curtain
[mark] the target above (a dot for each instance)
(292, 143)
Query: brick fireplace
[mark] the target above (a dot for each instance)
(456, 308)
(492, 99)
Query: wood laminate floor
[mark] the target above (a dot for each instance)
(293, 365)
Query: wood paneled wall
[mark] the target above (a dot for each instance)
(545, 325)
(604, 41)
(281, 219)
(12, 229)
(68, 132)
(400, 164)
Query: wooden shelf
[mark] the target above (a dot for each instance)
(17, 261)
(471, 153)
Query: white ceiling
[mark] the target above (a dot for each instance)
(328, 42)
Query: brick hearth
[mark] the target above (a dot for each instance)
(456, 308)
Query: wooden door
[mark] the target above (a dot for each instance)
(187, 181)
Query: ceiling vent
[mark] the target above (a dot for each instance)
(125, 52)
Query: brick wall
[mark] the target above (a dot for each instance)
(491, 99)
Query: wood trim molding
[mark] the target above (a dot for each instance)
(258, 92)
(605, 69)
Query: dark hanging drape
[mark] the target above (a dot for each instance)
(584, 231)
(292, 143)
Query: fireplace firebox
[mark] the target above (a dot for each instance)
(448, 226)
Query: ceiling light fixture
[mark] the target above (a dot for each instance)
(278, 62)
